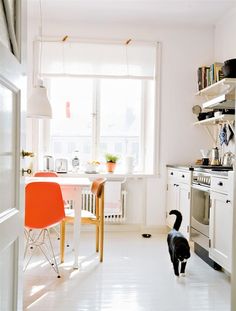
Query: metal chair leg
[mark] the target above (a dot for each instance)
(39, 241)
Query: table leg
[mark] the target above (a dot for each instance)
(77, 225)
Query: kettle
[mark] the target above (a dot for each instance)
(215, 158)
(228, 158)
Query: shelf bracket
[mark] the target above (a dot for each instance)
(231, 126)
(210, 134)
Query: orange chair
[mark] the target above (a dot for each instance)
(44, 208)
(45, 174)
(96, 219)
(50, 174)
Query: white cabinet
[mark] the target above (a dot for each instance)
(221, 223)
(178, 197)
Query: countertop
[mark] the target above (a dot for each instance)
(113, 176)
(181, 166)
(216, 170)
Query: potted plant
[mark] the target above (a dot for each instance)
(111, 160)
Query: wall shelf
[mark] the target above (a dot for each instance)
(217, 120)
(220, 95)
(223, 86)
(224, 101)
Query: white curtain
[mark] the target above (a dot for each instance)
(98, 59)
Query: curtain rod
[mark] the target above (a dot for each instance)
(66, 75)
(69, 39)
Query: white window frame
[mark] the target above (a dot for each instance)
(96, 119)
(96, 110)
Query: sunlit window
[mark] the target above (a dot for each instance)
(96, 116)
(71, 126)
(120, 128)
(104, 99)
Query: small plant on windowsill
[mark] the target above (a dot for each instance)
(111, 160)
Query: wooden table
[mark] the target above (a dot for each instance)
(71, 190)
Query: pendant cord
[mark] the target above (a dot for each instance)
(41, 38)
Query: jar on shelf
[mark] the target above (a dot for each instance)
(75, 161)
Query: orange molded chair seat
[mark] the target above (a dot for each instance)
(44, 208)
(49, 174)
(45, 174)
(96, 219)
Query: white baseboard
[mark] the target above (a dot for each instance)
(155, 229)
(124, 228)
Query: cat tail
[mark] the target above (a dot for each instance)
(178, 220)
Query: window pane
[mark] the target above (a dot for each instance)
(71, 126)
(7, 148)
(120, 125)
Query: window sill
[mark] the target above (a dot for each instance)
(112, 176)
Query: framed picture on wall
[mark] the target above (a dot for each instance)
(8, 25)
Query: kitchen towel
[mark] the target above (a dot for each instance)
(229, 134)
(112, 200)
(223, 135)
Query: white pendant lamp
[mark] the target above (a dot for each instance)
(38, 104)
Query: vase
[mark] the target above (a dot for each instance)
(110, 167)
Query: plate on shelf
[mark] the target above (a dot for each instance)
(196, 109)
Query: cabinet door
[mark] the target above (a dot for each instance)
(171, 203)
(184, 208)
(221, 230)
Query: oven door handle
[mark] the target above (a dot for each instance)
(201, 188)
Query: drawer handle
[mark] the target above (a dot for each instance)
(171, 173)
(183, 176)
(220, 183)
(227, 201)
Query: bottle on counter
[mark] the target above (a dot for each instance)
(75, 161)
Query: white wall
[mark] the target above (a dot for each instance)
(225, 43)
(225, 48)
(183, 51)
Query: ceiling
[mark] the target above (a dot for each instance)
(132, 12)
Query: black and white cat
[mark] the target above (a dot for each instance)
(178, 245)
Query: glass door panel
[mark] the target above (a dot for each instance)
(7, 268)
(7, 149)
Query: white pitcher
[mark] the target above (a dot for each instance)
(129, 164)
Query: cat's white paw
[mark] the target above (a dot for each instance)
(182, 274)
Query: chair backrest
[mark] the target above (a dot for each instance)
(97, 186)
(43, 204)
(45, 174)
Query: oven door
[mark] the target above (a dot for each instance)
(200, 215)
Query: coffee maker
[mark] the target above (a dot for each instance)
(215, 157)
(205, 156)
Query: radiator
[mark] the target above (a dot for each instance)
(88, 204)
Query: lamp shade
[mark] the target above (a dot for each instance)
(38, 104)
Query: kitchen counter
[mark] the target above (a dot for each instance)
(109, 176)
(181, 166)
(216, 170)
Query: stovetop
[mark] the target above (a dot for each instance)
(212, 168)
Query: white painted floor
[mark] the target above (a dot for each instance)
(136, 275)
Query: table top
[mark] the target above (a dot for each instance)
(62, 181)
